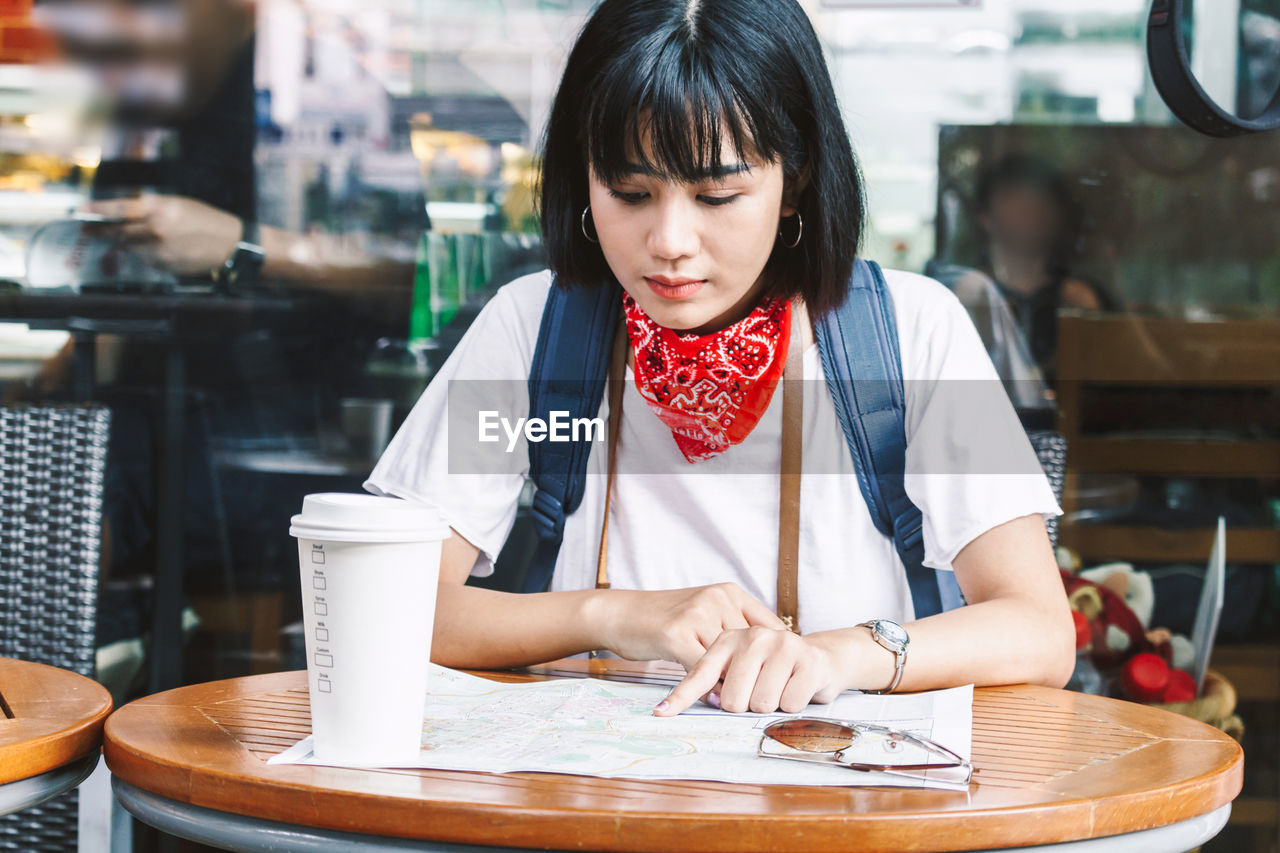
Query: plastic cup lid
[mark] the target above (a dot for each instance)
(348, 517)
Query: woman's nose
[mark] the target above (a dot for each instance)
(673, 232)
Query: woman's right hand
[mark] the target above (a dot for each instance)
(675, 624)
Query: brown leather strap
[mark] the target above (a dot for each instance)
(617, 382)
(789, 487)
(789, 490)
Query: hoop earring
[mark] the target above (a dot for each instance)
(799, 232)
(590, 239)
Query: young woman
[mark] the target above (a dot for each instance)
(695, 157)
(1026, 211)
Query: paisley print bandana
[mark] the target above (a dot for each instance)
(710, 390)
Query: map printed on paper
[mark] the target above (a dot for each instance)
(587, 726)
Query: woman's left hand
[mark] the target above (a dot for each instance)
(762, 670)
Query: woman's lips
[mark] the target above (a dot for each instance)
(674, 288)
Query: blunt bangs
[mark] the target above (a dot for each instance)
(669, 98)
(657, 84)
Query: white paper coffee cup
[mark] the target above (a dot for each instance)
(369, 568)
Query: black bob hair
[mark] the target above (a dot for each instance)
(690, 65)
(1016, 171)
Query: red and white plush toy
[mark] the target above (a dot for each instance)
(1149, 678)
(1113, 605)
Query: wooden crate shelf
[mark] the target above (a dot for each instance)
(1094, 542)
(1177, 458)
(1118, 351)
(1252, 668)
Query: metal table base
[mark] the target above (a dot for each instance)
(230, 831)
(25, 793)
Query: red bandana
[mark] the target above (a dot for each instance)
(710, 390)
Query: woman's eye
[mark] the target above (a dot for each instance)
(637, 197)
(627, 198)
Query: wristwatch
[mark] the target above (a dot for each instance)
(247, 258)
(893, 637)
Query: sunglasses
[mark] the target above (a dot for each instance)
(861, 746)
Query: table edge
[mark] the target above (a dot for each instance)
(56, 749)
(490, 823)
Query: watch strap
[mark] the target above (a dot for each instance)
(900, 652)
(246, 260)
(250, 232)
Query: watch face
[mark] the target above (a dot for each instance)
(892, 631)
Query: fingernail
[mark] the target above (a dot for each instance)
(662, 706)
(713, 699)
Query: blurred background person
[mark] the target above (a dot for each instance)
(177, 176)
(1004, 339)
(1030, 222)
(177, 183)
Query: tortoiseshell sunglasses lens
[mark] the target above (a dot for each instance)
(812, 735)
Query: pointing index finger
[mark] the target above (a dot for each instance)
(697, 683)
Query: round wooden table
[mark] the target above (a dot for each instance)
(1050, 766)
(50, 730)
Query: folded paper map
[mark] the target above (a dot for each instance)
(586, 726)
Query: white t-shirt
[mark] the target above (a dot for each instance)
(677, 524)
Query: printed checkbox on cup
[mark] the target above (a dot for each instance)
(324, 660)
(322, 635)
(317, 557)
(325, 685)
(322, 609)
(319, 582)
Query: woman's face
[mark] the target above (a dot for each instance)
(692, 255)
(1024, 219)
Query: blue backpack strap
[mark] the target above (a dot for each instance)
(858, 343)
(569, 372)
